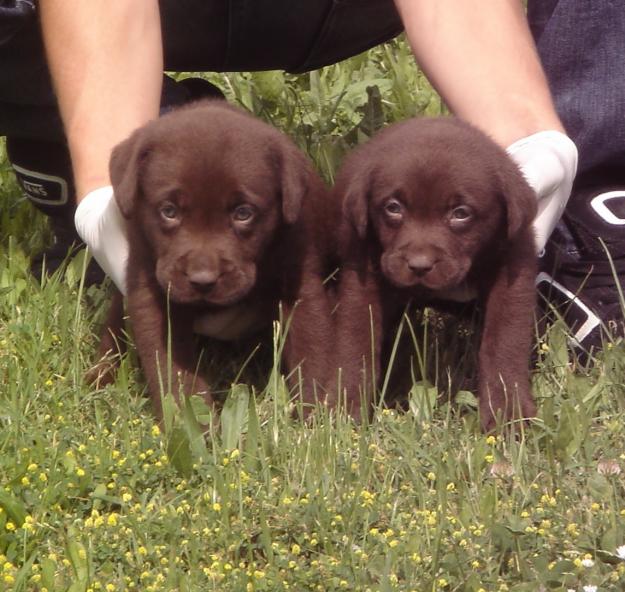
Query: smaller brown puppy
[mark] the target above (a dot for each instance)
(224, 217)
(434, 210)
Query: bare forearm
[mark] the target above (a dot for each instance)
(481, 58)
(106, 63)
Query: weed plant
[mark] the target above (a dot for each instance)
(95, 496)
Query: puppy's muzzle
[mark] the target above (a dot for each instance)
(420, 264)
(203, 281)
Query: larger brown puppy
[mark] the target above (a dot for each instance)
(434, 210)
(225, 220)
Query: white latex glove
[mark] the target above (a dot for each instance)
(103, 228)
(548, 161)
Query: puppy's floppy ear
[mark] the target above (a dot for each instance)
(294, 178)
(124, 169)
(519, 197)
(354, 193)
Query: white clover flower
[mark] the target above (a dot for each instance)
(588, 563)
(608, 467)
(502, 469)
(590, 588)
(620, 552)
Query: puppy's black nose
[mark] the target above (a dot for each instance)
(420, 264)
(203, 281)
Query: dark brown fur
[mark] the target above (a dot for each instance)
(433, 208)
(225, 219)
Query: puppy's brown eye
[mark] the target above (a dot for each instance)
(169, 211)
(393, 208)
(243, 213)
(461, 214)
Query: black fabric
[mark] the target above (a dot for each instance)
(582, 49)
(583, 232)
(202, 35)
(27, 102)
(302, 35)
(538, 14)
(14, 14)
(44, 172)
(576, 258)
(341, 35)
(293, 35)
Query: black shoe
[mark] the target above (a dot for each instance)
(578, 278)
(43, 171)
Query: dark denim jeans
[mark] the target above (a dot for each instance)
(582, 47)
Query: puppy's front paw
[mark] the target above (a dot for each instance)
(502, 407)
(102, 373)
(190, 384)
(179, 388)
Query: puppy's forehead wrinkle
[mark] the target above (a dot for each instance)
(438, 144)
(214, 139)
(215, 179)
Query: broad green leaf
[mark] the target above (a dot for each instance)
(179, 451)
(503, 537)
(488, 503)
(599, 487)
(13, 507)
(611, 539)
(234, 416)
(466, 398)
(422, 400)
(568, 434)
(269, 84)
(48, 568)
(194, 431)
(78, 559)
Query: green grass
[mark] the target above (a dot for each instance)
(95, 496)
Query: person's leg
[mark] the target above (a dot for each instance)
(43, 170)
(35, 142)
(582, 47)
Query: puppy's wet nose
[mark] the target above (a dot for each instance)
(420, 264)
(203, 281)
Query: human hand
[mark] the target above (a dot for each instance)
(101, 225)
(548, 161)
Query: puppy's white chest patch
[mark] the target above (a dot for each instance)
(230, 323)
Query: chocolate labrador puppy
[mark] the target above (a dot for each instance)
(434, 210)
(225, 220)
